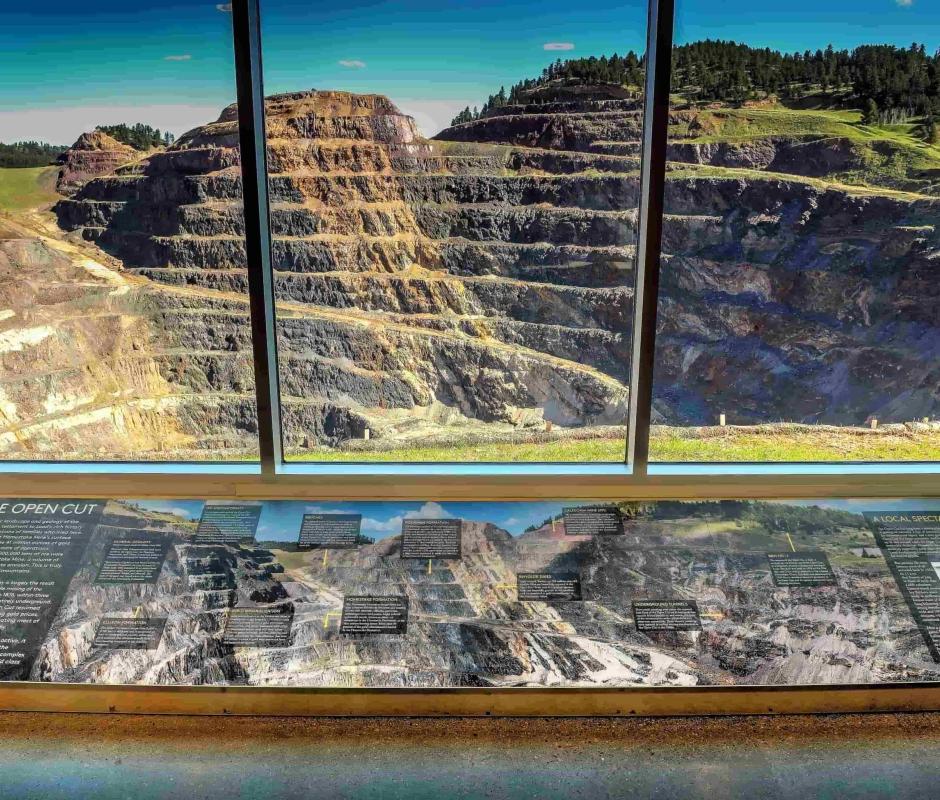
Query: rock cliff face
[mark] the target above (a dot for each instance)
(483, 280)
(93, 154)
(99, 364)
(781, 299)
(423, 286)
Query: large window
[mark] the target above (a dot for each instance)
(798, 311)
(426, 233)
(124, 328)
(454, 224)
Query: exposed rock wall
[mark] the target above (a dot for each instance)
(419, 289)
(98, 364)
(483, 280)
(93, 154)
(780, 299)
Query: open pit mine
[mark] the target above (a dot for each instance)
(472, 286)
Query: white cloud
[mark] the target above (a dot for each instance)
(430, 511)
(180, 512)
(169, 508)
(63, 125)
(558, 46)
(352, 63)
(905, 3)
(183, 57)
(223, 7)
(388, 527)
(392, 525)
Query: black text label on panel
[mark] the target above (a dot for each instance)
(330, 531)
(548, 586)
(129, 633)
(430, 538)
(666, 615)
(133, 560)
(593, 521)
(910, 541)
(801, 568)
(264, 626)
(906, 535)
(365, 615)
(228, 523)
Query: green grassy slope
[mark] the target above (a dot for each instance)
(738, 444)
(889, 156)
(30, 187)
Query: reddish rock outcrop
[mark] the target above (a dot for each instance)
(93, 154)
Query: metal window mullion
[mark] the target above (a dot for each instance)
(649, 230)
(246, 25)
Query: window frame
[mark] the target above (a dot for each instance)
(273, 477)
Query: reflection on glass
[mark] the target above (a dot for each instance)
(123, 323)
(454, 218)
(798, 315)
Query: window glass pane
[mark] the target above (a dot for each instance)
(453, 208)
(799, 294)
(123, 321)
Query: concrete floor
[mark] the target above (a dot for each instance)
(56, 756)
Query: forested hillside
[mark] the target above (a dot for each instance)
(138, 136)
(890, 83)
(28, 154)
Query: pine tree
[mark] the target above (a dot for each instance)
(931, 130)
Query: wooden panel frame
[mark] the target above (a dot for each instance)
(567, 702)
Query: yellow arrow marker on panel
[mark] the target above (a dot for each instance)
(429, 566)
(324, 557)
(791, 542)
(326, 618)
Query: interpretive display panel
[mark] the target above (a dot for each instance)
(363, 616)
(129, 633)
(412, 595)
(41, 546)
(430, 538)
(330, 531)
(911, 544)
(228, 523)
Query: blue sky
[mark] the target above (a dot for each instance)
(281, 520)
(67, 66)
